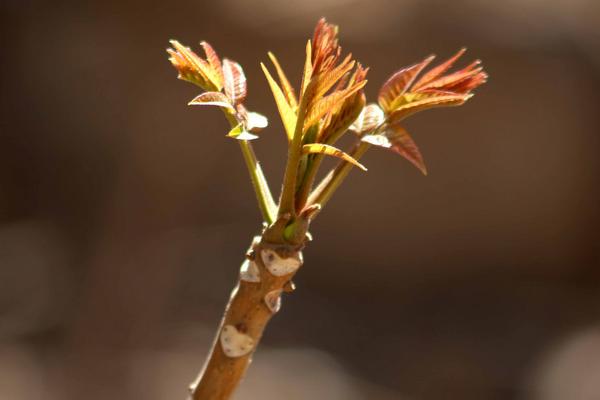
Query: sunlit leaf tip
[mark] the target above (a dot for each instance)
(439, 70)
(192, 68)
(462, 81)
(288, 90)
(403, 95)
(403, 144)
(214, 61)
(287, 114)
(319, 148)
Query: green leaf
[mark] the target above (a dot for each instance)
(319, 148)
(288, 90)
(307, 71)
(286, 112)
(239, 133)
(436, 72)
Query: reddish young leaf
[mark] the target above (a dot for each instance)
(399, 83)
(359, 74)
(234, 81)
(330, 103)
(423, 101)
(468, 85)
(326, 49)
(403, 144)
(192, 68)
(436, 72)
(327, 79)
(186, 70)
(215, 63)
(459, 82)
(449, 82)
(338, 122)
(212, 99)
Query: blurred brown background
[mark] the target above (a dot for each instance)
(124, 213)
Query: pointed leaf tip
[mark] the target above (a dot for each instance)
(437, 71)
(239, 133)
(287, 114)
(192, 68)
(215, 63)
(403, 144)
(320, 148)
(288, 90)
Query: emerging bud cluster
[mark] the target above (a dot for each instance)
(330, 102)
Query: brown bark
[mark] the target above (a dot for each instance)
(248, 312)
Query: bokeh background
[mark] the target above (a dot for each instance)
(124, 214)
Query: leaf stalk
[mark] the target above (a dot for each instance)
(267, 205)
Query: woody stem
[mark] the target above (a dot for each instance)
(249, 310)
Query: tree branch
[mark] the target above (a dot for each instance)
(256, 298)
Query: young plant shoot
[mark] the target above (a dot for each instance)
(328, 104)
